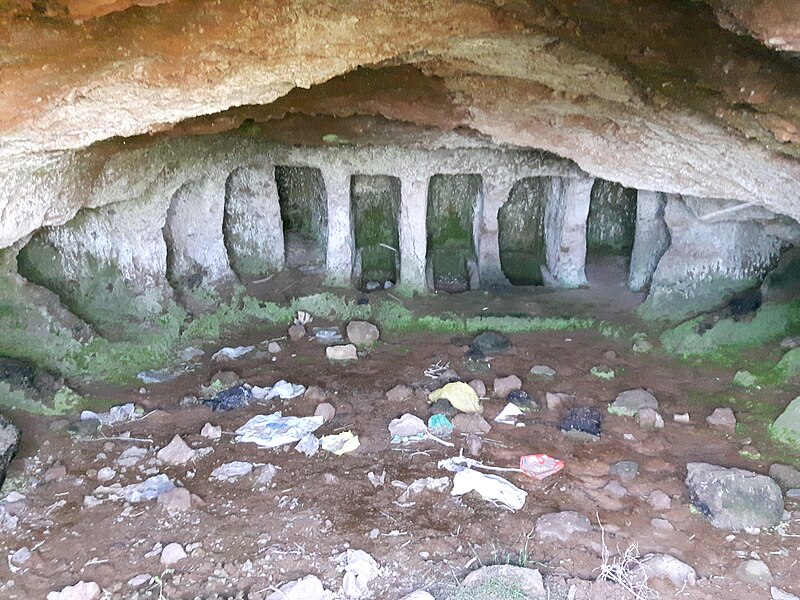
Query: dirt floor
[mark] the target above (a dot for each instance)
(245, 537)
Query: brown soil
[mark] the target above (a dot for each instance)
(252, 538)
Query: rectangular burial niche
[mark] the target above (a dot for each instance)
(375, 203)
(521, 231)
(453, 202)
(611, 226)
(304, 213)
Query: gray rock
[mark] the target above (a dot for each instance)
(625, 470)
(176, 500)
(755, 572)
(479, 386)
(779, 594)
(504, 385)
(274, 348)
(787, 476)
(786, 427)
(526, 584)
(472, 423)
(555, 400)
(341, 353)
(615, 489)
(297, 332)
(734, 498)
(490, 342)
(722, 418)
(474, 445)
(542, 371)
(658, 500)
(649, 418)
(307, 588)
(172, 554)
(561, 525)
(9, 444)
(314, 393)
(399, 393)
(790, 343)
(362, 333)
(177, 452)
(83, 590)
(140, 580)
(325, 410)
(666, 566)
(630, 402)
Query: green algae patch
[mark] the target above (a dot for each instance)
(65, 401)
(789, 365)
(771, 322)
(603, 372)
(745, 379)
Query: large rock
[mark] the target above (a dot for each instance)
(734, 498)
(523, 583)
(9, 444)
(362, 333)
(786, 427)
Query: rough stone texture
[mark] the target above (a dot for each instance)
(502, 386)
(630, 402)
(713, 254)
(755, 572)
(172, 554)
(678, 572)
(565, 230)
(177, 452)
(734, 498)
(658, 500)
(527, 581)
(561, 525)
(83, 590)
(649, 418)
(722, 418)
(9, 444)
(786, 475)
(341, 353)
(651, 239)
(625, 470)
(786, 427)
(362, 333)
(472, 423)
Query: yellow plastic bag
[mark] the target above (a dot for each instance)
(341, 443)
(460, 395)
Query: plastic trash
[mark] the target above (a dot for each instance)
(309, 445)
(432, 484)
(149, 489)
(460, 395)
(157, 376)
(303, 318)
(232, 471)
(341, 443)
(282, 389)
(232, 353)
(407, 426)
(272, 431)
(523, 401)
(491, 487)
(508, 416)
(540, 466)
(327, 337)
(439, 425)
(587, 420)
(116, 414)
(230, 399)
(359, 570)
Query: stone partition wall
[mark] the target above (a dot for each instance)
(651, 239)
(565, 230)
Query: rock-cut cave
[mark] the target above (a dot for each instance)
(436, 299)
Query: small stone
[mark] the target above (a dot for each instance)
(779, 594)
(790, 343)
(561, 525)
(555, 400)
(786, 427)
(526, 583)
(722, 418)
(211, 432)
(140, 580)
(189, 400)
(630, 402)
(504, 385)
(264, 474)
(341, 353)
(665, 566)
(82, 590)
(399, 393)
(106, 474)
(745, 379)
(615, 489)
(274, 348)
(793, 493)
(658, 500)
(662, 524)
(479, 386)
(471, 423)
(490, 343)
(542, 371)
(785, 475)
(225, 379)
(307, 588)
(603, 372)
(755, 572)
(21, 556)
(649, 418)
(474, 445)
(232, 471)
(172, 554)
(59, 425)
(55, 473)
(177, 452)
(362, 333)
(625, 470)
(315, 393)
(297, 332)
(325, 410)
(641, 346)
(176, 500)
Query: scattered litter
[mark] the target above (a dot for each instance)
(282, 389)
(435, 370)
(440, 426)
(157, 376)
(508, 416)
(407, 426)
(540, 466)
(309, 445)
(149, 489)
(491, 487)
(117, 414)
(603, 372)
(341, 443)
(460, 395)
(328, 337)
(230, 399)
(264, 474)
(586, 420)
(232, 471)
(271, 431)
(459, 463)
(523, 401)
(682, 418)
(359, 570)
(431, 484)
(303, 318)
(377, 480)
(229, 353)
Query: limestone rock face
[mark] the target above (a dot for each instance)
(9, 444)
